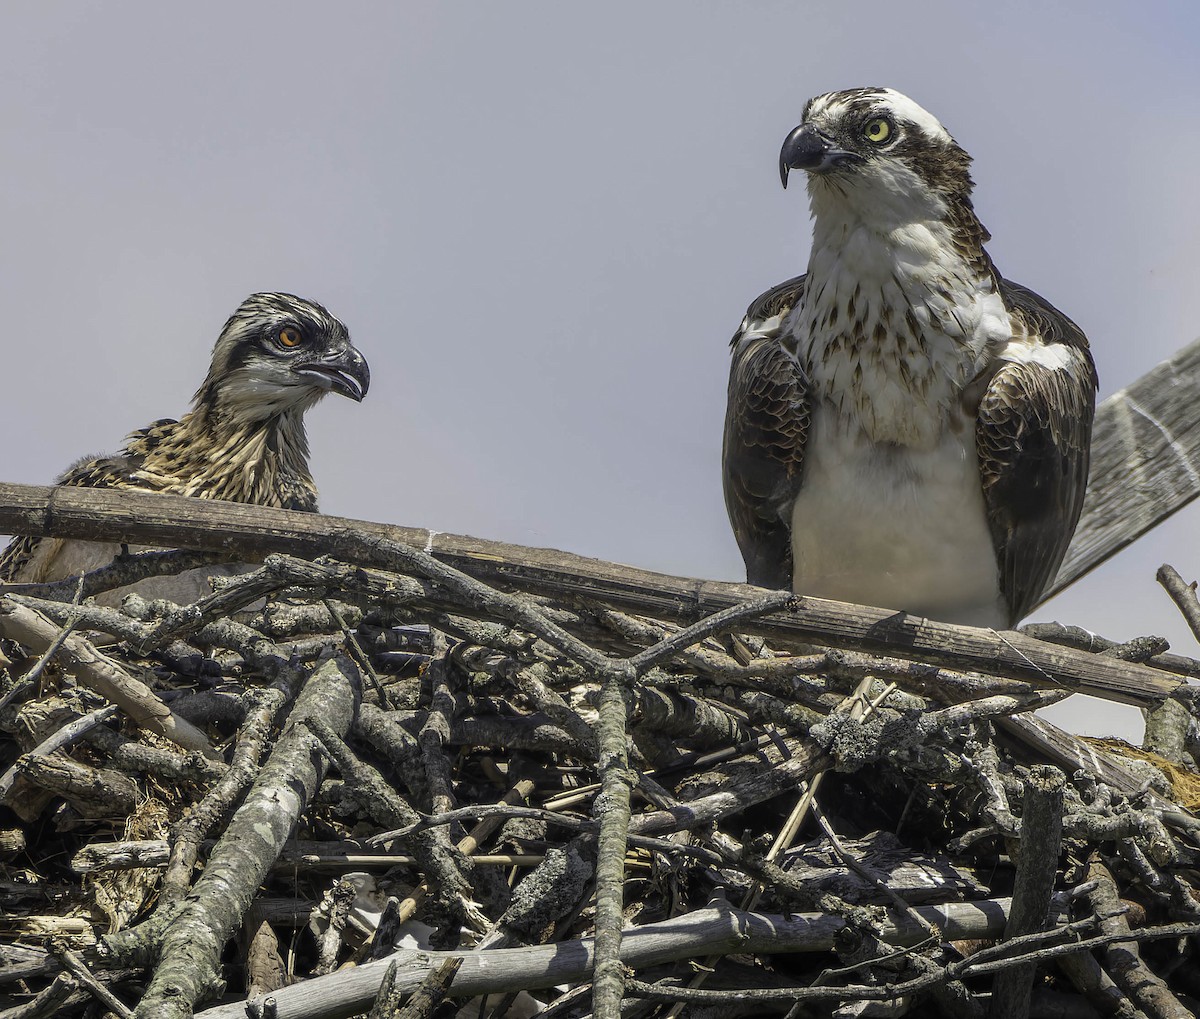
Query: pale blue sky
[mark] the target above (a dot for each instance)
(542, 222)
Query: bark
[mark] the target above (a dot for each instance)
(700, 932)
(191, 944)
(1037, 864)
(255, 531)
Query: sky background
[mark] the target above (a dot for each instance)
(542, 223)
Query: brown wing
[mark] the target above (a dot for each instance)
(89, 472)
(15, 555)
(1033, 436)
(766, 426)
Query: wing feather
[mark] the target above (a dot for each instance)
(20, 561)
(766, 427)
(1033, 435)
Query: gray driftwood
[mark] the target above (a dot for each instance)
(1145, 463)
(697, 933)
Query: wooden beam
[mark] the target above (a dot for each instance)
(252, 532)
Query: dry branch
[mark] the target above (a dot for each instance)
(253, 532)
(700, 932)
(102, 674)
(188, 939)
(1041, 843)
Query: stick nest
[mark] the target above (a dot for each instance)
(319, 765)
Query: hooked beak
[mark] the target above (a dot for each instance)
(807, 148)
(341, 371)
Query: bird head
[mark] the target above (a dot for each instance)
(280, 353)
(877, 150)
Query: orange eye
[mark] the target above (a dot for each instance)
(289, 337)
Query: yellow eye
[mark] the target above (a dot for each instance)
(289, 337)
(877, 130)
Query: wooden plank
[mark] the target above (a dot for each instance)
(254, 531)
(1145, 463)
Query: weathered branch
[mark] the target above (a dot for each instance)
(1041, 842)
(700, 932)
(263, 706)
(255, 531)
(103, 675)
(193, 937)
(1123, 958)
(611, 809)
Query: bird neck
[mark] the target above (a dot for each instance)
(224, 456)
(897, 316)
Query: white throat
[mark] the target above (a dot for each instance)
(894, 321)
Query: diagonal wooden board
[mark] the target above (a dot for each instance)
(1145, 463)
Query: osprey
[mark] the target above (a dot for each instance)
(905, 428)
(243, 440)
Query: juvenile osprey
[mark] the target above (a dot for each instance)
(905, 428)
(243, 440)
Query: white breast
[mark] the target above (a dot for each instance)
(893, 325)
(895, 527)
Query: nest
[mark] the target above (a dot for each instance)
(330, 788)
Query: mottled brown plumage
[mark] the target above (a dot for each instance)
(767, 438)
(1033, 438)
(242, 441)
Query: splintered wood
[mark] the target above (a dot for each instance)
(381, 784)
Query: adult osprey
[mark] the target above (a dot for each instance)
(905, 428)
(243, 440)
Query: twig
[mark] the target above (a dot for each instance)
(440, 861)
(124, 571)
(717, 622)
(1183, 594)
(333, 911)
(103, 675)
(1094, 983)
(63, 737)
(264, 705)
(78, 969)
(32, 676)
(865, 872)
(1122, 957)
(48, 1002)
(191, 942)
(424, 1000)
(363, 659)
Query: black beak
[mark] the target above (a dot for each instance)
(342, 371)
(806, 148)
